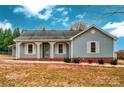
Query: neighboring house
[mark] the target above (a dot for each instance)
(90, 44)
(120, 54)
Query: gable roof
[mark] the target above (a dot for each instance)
(55, 34)
(94, 26)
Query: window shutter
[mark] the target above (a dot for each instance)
(34, 48)
(97, 47)
(88, 47)
(64, 48)
(56, 48)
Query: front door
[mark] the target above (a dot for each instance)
(46, 50)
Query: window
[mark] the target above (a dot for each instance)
(93, 47)
(30, 48)
(60, 48)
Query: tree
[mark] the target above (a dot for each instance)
(78, 26)
(8, 39)
(16, 33)
(1, 39)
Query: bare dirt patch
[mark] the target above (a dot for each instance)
(7, 57)
(121, 62)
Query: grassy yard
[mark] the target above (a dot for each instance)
(22, 74)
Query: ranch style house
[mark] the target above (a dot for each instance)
(92, 43)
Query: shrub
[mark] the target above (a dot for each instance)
(113, 62)
(90, 61)
(101, 61)
(76, 60)
(68, 60)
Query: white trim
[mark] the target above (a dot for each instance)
(38, 49)
(88, 46)
(18, 49)
(106, 33)
(41, 40)
(57, 48)
(97, 48)
(113, 49)
(72, 49)
(26, 49)
(52, 49)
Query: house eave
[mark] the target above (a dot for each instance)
(13, 45)
(41, 40)
(106, 33)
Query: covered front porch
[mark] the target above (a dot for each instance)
(42, 50)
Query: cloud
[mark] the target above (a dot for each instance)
(119, 31)
(118, 28)
(64, 13)
(63, 18)
(5, 25)
(60, 9)
(111, 25)
(63, 21)
(70, 9)
(80, 16)
(35, 11)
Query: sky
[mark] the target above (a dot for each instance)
(61, 17)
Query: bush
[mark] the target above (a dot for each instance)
(76, 60)
(101, 61)
(113, 62)
(90, 61)
(68, 60)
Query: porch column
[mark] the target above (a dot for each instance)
(18, 44)
(51, 49)
(38, 49)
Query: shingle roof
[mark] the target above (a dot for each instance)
(54, 34)
(47, 34)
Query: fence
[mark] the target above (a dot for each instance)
(8, 52)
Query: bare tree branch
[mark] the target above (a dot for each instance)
(118, 11)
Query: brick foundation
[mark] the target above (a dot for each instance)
(42, 59)
(106, 60)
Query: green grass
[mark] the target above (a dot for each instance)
(22, 75)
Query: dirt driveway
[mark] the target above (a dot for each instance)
(7, 57)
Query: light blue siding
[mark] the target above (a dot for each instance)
(23, 55)
(61, 55)
(80, 45)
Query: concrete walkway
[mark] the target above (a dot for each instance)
(61, 62)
